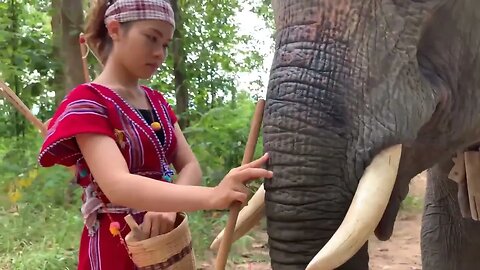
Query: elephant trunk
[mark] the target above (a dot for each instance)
(311, 206)
(308, 198)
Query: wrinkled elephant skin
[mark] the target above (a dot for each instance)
(349, 79)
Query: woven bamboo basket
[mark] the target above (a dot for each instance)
(172, 251)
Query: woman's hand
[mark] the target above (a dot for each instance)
(232, 187)
(156, 223)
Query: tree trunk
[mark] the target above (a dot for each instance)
(67, 23)
(17, 119)
(179, 70)
(59, 81)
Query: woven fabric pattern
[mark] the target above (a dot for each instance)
(170, 263)
(133, 10)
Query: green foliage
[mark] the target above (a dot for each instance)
(18, 160)
(39, 236)
(19, 172)
(264, 9)
(202, 224)
(412, 204)
(215, 55)
(25, 59)
(39, 230)
(219, 137)
(39, 219)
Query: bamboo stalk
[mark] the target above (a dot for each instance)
(21, 107)
(236, 207)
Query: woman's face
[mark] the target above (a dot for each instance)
(142, 46)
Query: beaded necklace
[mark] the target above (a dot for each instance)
(157, 126)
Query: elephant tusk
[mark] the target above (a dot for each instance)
(247, 218)
(367, 207)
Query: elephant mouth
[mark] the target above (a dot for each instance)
(367, 207)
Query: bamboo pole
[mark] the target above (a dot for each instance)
(21, 107)
(236, 207)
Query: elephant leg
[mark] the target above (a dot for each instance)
(448, 241)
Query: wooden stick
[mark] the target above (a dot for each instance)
(245, 222)
(136, 231)
(235, 208)
(21, 107)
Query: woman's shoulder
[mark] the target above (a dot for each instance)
(82, 91)
(86, 93)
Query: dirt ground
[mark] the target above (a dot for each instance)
(401, 252)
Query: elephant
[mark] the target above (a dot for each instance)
(363, 95)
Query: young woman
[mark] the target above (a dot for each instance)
(123, 136)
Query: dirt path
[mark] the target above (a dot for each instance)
(401, 252)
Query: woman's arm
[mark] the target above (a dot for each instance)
(185, 162)
(110, 171)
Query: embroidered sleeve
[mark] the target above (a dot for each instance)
(82, 111)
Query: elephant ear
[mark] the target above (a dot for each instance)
(449, 37)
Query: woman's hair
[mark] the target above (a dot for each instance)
(96, 33)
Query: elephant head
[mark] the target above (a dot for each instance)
(349, 79)
(353, 84)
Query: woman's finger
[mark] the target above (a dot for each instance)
(240, 197)
(251, 174)
(242, 188)
(169, 226)
(146, 225)
(156, 226)
(256, 163)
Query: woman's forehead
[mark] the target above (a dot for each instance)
(158, 26)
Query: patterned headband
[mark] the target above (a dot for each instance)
(133, 10)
